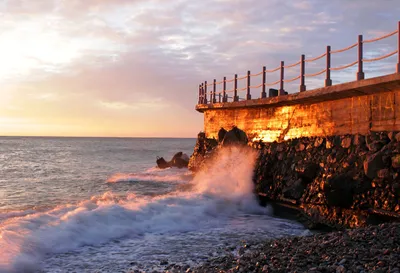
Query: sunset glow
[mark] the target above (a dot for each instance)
(131, 68)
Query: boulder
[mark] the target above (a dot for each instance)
(346, 142)
(397, 137)
(339, 191)
(384, 173)
(235, 136)
(221, 134)
(396, 161)
(375, 145)
(359, 140)
(372, 164)
(318, 142)
(295, 189)
(310, 172)
(300, 147)
(179, 160)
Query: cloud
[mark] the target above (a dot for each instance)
(100, 58)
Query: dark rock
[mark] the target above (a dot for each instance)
(375, 146)
(179, 160)
(372, 164)
(310, 172)
(300, 147)
(318, 142)
(396, 161)
(346, 142)
(339, 191)
(397, 137)
(359, 140)
(221, 134)
(295, 190)
(392, 136)
(235, 136)
(384, 173)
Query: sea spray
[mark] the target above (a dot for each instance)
(220, 206)
(228, 174)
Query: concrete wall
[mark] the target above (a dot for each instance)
(379, 111)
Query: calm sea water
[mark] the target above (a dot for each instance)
(101, 205)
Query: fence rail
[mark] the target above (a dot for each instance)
(223, 97)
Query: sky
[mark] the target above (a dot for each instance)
(131, 68)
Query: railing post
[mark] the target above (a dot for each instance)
(199, 99)
(211, 97)
(214, 90)
(224, 97)
(248, 96)
(328, 80)
(281, 91)
(302, 71)
(360, 73)
(264, 75)
(202, 93)
(205, 92)
(398, 48)
(235, 96)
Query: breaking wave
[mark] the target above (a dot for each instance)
(220, 192)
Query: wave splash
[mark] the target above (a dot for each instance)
(221, 191)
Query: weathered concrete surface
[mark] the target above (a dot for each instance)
(349, 108)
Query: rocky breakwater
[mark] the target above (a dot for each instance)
(206, 147)
(340, 181)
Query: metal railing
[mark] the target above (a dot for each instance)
(223, 93)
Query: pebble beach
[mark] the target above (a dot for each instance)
(370, 249)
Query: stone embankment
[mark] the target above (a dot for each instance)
(339, 181)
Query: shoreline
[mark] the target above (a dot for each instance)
(375, 248)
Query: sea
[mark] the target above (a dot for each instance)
(102, 205)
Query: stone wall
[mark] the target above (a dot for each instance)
(340, 181)
(354, 115)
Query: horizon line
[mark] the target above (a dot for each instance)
(33, 136)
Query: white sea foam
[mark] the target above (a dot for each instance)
(153, 175)
(220, 193)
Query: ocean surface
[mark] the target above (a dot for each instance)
(102, 205)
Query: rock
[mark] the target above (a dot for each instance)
(340, 269)
(318, 142)
(396, 161)
(300, 147)
(221, 134)
(384, 173)
(346, 142)
(328, 144)
(162, 163)
(375, 146)
(358, 140)
(235, 136)
(392, 136)
(294, 190)
(397, 137)
(339, 191)
(179, 160)
(372, 164)
(203, 147)
(310, 172)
